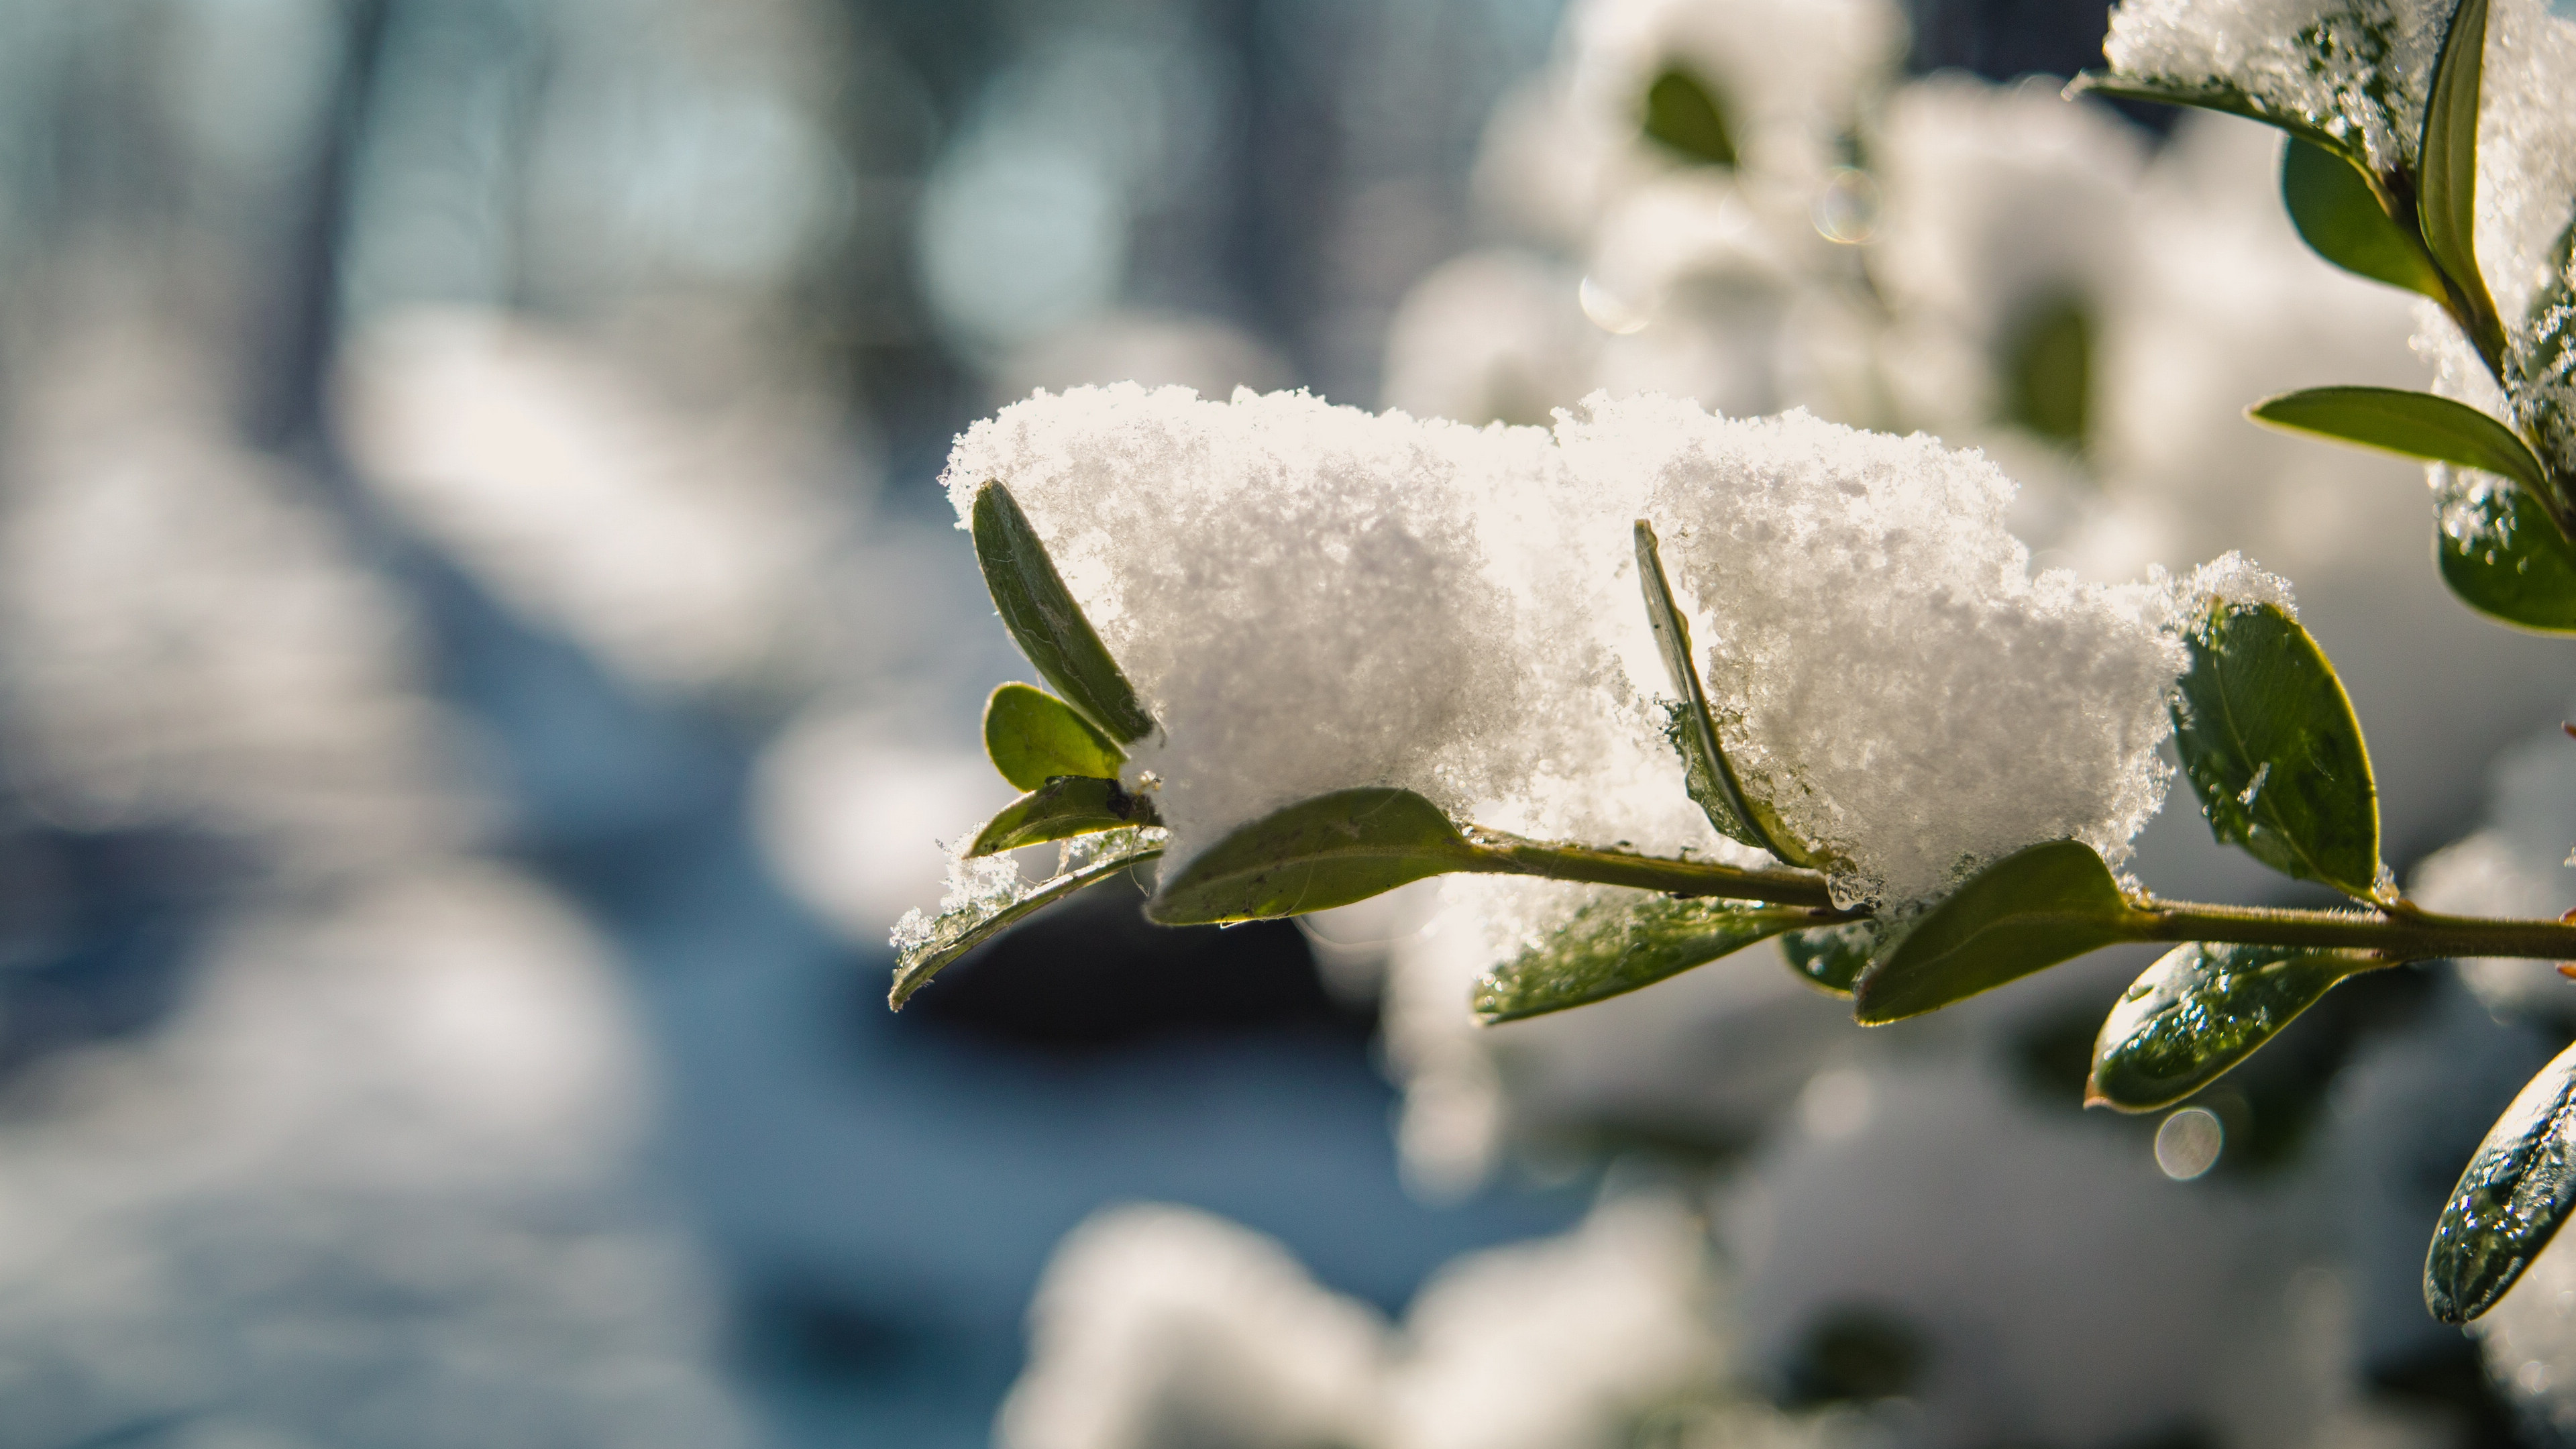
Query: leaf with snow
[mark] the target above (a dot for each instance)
(2052, 902)
(1060, 809)
(2209, 94)
(987, 897)
(2541, 380)
(2502, 556)
(1618, 944)
(2269, 742)
(1046, 622)
(2446, 204)
(2348, 75)
(1710, 780)
(1314, 855)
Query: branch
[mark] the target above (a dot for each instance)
(2402, 932)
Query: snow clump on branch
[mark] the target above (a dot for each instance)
(1311, 598)
(1885, 668)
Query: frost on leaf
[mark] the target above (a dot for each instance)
(2354, 73)
(987, 894)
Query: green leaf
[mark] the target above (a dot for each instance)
(2340, 217)
(1045, 621)
(2501, 554)
(923, 948)
(2214, 95)
(2048, 371)
(2034, 908)
(1617, 945)
(1314, 855)
(2511, 1200)
(2446, 198)
(1032, 737)
(1706, 773)
(1060, 809)
(2200, 1010)
(2414, 424)
(2269, 742)
(1831, 958)
(1684, 114)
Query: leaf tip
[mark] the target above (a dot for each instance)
(1870, 1007)
(906, 982)
(2445, 1305)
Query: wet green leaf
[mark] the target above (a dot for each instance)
(2331, 202)
(2200, 1010)
(2034, 908)
(2269, 742)
(2047, 368)
(1032, 737)
(1831, 958)
(2413, 424)
(1060, 809)
(1710, 779)
(921, 955)
(2511, 1200)
(1685, 115)
(1617, 945)
(2501, 554)
(1328, 851)
(1046, 622)
(2446, 197)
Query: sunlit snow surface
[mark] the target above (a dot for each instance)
(1312, 598)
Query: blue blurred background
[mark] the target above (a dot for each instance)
(483, 662)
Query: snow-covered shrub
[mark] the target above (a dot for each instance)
(1685, 684)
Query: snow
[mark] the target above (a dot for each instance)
(1312, 598)
(2367, 83)
(2232, 583)
(1886, 670)
(1159, 1326)
(2526, 183)
(1164, 1326)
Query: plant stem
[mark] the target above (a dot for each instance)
(2403, 934)
(1506, 854)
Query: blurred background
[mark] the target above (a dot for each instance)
(484, 663)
